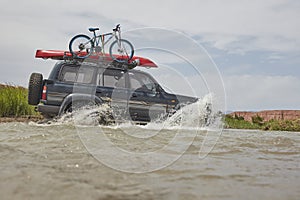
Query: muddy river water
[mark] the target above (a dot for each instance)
(54, 161)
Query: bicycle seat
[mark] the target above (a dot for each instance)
(93, 29)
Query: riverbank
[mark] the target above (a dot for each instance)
(258, 123)
(25, 119)
(229, 123)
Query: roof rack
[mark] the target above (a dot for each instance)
(96, 58)
(101, 62)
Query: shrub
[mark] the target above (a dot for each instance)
(257, 120)
(13, 101)
(272, 125)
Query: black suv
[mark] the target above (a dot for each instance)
(131, 94)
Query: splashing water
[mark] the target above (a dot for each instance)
(200, 114)
(87, 115)
(197, 114)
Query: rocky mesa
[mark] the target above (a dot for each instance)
(268, 115)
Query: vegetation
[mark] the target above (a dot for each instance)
(239, 123)
(258, 123)
(13, 102)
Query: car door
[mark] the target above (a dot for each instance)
(113, 90)
(146, 102)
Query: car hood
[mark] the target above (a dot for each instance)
(185, 99)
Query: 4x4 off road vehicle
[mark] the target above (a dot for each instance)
(131, 94)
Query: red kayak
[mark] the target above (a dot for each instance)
(62, 55)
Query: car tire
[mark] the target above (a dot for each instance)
(35, 88)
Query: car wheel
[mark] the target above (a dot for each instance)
(35, 88)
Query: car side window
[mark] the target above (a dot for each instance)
(135, 83)
(69, 76)
(111, 78)
(141, 81)
(85, 75)
(77, 74)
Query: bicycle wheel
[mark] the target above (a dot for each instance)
(81, 46)
(121, 51)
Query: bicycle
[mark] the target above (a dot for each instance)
(82, 46)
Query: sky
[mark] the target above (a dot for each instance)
(254, 46)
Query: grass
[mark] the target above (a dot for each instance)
(239, 123)
(13, 102)
(258, 123)
(286, 125)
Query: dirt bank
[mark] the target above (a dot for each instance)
(25, 119)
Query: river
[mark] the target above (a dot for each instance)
(55, 161)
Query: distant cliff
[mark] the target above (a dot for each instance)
(267, 115)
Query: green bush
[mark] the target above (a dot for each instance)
(239, 123)
(238, 117)
(257, 120)
(284, 125)
(258, 123)
(13, 102)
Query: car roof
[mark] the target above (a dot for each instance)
(104, 65)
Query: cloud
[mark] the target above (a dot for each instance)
(256, 92)
(230, 25)
(234, 26)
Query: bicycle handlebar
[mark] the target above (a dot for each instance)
(117, 28)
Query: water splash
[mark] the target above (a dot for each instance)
(85, 116)
(199, 115)
(193, 115)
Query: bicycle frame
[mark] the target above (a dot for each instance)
(100, 39)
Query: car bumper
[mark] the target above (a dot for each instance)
(48, 109)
